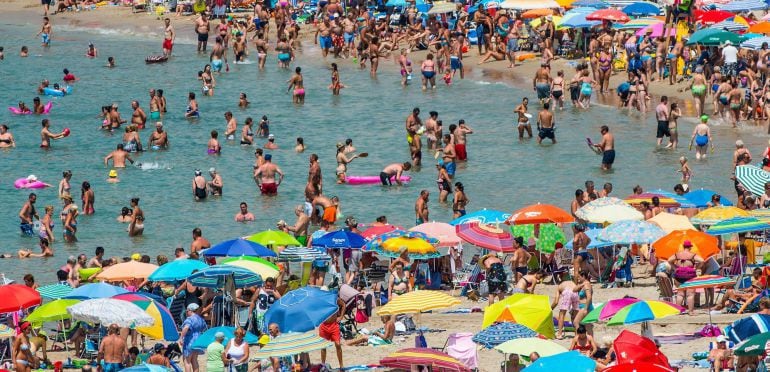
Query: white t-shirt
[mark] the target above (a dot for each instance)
(730, 54)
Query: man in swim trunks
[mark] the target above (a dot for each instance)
(607, 146)
(523, 121)
(662, 115)
(119, 157)
(27, 213)
(497, 279)
(138, 117)
(168, 37)
(154, 106)
(542, 83)
(46, 32)
(546, 126)
(328, 206)
(325, 39)
(701, 136)
(265, 176)
(395, 169)
(520, 259)
(112, 350)
(300, 226)
(421, 208)
(158, 139)
(460, 138)
(413, 126)
(449, 155)
(202, 28)
(218, 55)
(314, 173)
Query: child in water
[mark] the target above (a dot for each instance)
(685, 170)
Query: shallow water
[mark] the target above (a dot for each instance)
(503, 172)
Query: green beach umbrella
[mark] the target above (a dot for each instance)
(754, 345)
(274, 238)
(713, 37)
(549, 235)
(52, 311)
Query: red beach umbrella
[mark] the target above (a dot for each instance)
(638, 367)
(17, 297)
(712, 16)
(486, 236)
(633, 349)
(613, 15)
(373, 231)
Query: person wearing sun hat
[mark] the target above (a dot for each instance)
(701, 136)
(192, 327)
(113, 176)
(721, 356)
(497, 279)
(685, 263)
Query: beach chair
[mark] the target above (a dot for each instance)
(90, 348)
(665, 287)
(461, 277)
(736, 268)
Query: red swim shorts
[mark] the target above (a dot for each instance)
(167, 44)
(460, 150)
(329, 331)
(269, 188)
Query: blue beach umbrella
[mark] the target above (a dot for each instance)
(176, 270)
(144, 367)
(487, 216)
(596, 4)
(641, 8)
(730, 25)
(744, 328)
(702, 197)
(238, 247)
(95, 290)
(595, 241)
(403, 2)
(630, 232)
(498, 333)
(578, 20)
(572, 361)
(302, 309)
(754, 43)
(340, 239)
(215, 276)
(302, 254)
(683, 201)
(206, 338)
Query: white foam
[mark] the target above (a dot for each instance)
(153, 165)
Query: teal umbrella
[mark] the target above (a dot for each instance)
(738, 225)
(176, 270)
(54, 291)
(713, 37)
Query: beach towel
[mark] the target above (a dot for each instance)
(461, 347)
(676, 339)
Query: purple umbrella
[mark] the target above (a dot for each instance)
(608, 309)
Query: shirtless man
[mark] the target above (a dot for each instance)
(138, 118)
(218, 55)
(546, 125)
(46, 135)
(300, 226)
(113, 350)
(265, 176)
(115, 120)
(673, 58)
(158, 139)
(430, 130)
(168, 37)
(270, 145)
(449, 155)
(239, 48)
(701, 136)
(460, 139)
(349, 34)
(520, 259)
(154, 106)
(202, 28)
(607, 146)
(232, 126)
(119, 157)
(421, 208)
(243, 214)
(199, 243)
(541, 83)
(523, 120)
(413, 124)
(325, 39)
(395, 169)
(314, 173)
(328, 206)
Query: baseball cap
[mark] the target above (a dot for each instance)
(721, 338)
(219, 335)
(192, 307)
(158, 347)
(212, 170)
(271, 135)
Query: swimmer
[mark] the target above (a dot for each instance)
(24, 53)
(247, 134)
(336, 85)
(136, 226)
(243, 102)
(92, 52)
(296, 83)
(264, 127)
(125, 215)
(46, 135)
(244, 215)
(231, 127)
(213, 146)
(68, 76)
(119, 157)
(111, 62)
(701, 136)
(158, 139)
(113, 176)
(215, 185)
(6, 138)
(270, 145)
(523, 120)
(192, 107)
(23, 107)
(265, 176)
(37, 106)
(2, 55)
(199, 186)
(300, 146)
(218, 55)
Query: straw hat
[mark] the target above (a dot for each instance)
(484, 258)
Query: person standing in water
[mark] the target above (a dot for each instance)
(202, 28)
(523, 120)
(607, 146)
(265, 176)
(168, 38)
(296, 83)
(336, 85)
(546, 126)
(701, 136)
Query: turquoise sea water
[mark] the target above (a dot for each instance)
(502, 173)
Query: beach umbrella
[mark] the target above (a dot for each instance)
(761, 214)
(643, 311)
(637, 23)
(641, 8)
(684, 203)
(486, 236)
(665, 202)
(537, 13)
(632, 348)
(206, 338)
(738, 225)
(608, 309)
(273, 238)
(445, 233)
(403, 2)
(487, 216)
(752, 178)
(630, 232)
(50, 312)
(612, 15)
(95, 290)
(127, 271)
(596, 4)
(18, 297)
(405, 359)
(528, 4)
(238, 247)
(54, 291)
(163, 327)
(671, 222)
(145, 367)
(571, 360)
(609, 210)
(417, 302)
(742, 5)
(714, 215)
(302, 254)
(729, 25)
(760, 28)
(548, 235)
(302, 309)
(533, 311)
(755, 43)
(754, 345)
(110, 311)
(713, 37)
(215, 277)
(539, 213)
(656, 30)
(440, 7)
(526, 346)
(264, 268)
(744, 328)
(7, 332)
(555, 19)
(176, 270)
(595, 241)
(706, 281)
(340, 239)
(499, 333)
(637, 367)
(701, 198)
(374, 231)
(290, 344)
(416, 244)
(703, 244)
(710, 17)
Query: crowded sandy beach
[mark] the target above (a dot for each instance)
(510, 190)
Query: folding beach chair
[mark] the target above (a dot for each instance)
(665, 287)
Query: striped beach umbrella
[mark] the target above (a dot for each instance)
(290, 344)
(742, 5)
(54, 291)
(163, 327)
(417, 302)
(738, 225)
(744, 328)
(597, 4)
(643, 311)
(417, 245)
(215, 277)
(499, 333)
(302, 254)
(751, 177)
(755, 44)
(731, 26)
(612, 15)
(715, 215)
(706, 281)
(531, 310)
(635, 24)
(608, 309)
(405, 359)
(665, 201)
(486, 236)
(631, 232)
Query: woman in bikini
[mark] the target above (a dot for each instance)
(583, 259)
(496, 50)
(296, 83)
(583, 342)
(698, 89)
(374, 55)
(685, 263)
(71, 225)
(192, 107)
(399, 282)
(443, 183)
(208, 81)
(527, 283)
(342, 163)
(213, 147)
(673, 126)
(6, 138)
(45, 234)
(605, 70)
(23, 359)
(557, 89)
(87, 196)
(336, 85)
(406, 67)
(64, 184)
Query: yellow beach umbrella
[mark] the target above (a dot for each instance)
(556, 22)
(533, 311)
(418, 301)
(713, 215)
(415, 246)
(670, 222)
(126, 271)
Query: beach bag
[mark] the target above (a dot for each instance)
(361, 316)
(419, 341)
(683, 274)
(407, 321)
(710, 330)
(484, 289)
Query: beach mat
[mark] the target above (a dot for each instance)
(676, 339)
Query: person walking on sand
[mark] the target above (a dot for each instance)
(701, 136)
(607, 146)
